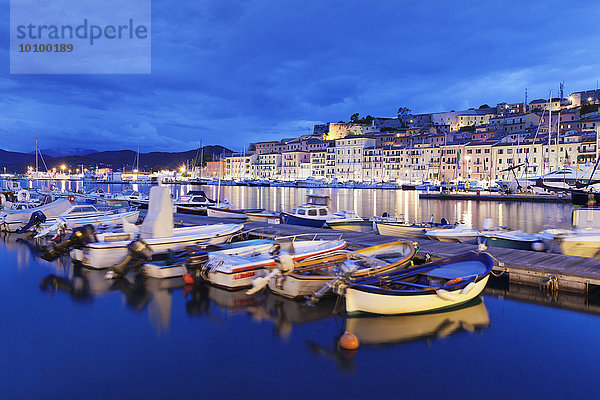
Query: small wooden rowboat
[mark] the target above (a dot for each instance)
(438, 285)
(323, 273)
(237, 270)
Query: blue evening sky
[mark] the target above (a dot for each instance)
(231, 71)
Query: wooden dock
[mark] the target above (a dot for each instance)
(529, 198)
(545, 270)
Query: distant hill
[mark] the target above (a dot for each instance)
(18, 162)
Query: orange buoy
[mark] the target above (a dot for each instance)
(188, 278)
(349, 341)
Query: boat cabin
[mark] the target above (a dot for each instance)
(318, 200)
(317, 206)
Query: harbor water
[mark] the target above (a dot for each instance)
(70, 334)
(528, 217)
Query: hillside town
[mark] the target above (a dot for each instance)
(484, 144)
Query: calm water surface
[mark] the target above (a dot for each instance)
(69, 334)
(529, 217)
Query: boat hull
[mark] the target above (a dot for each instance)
(535, 245)
(358, 301)
(357, 226)
(390, 229)
(296, 220)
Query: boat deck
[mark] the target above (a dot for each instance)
(545, 270)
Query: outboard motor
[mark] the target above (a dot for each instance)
(79, 238)
(37, 217)
(196, 260)
(138, 253)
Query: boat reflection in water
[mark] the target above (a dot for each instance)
(404, 328)
(139, 292)
(264, 306)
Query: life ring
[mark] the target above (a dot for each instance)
(23, 195)
(53, 187)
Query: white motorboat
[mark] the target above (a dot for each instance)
(113, 218)
(350, 221)
(194, 202)
(269, 217)
(238, 269)
(461, 233)
(165, 265)
(157, 231)
(515, 240)
(585, 222)
(13, 220)
(224, 211)
(392, 226)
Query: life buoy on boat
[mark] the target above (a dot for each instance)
(53, 187)
(23, 195)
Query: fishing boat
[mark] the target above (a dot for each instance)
(393, 329)
(314, 213)
(391, 226)
(429, 287)
(237, 270)
(157, 231)
(515, 240)
(350, 221)
(321, 274)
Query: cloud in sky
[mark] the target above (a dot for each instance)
(232, 71)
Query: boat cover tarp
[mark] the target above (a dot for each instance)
(159, 220)
(51, 210)
(459, 269)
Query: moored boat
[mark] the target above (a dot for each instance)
(324, 272)
(226, 212)
(157, 231)
(515, 240)
(236, 270)
(391, 226)
(429, 287)
(314, 213)
(458, 234)
(349, 220)
(270, 217)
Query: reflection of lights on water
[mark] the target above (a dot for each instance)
(468, 214)
(500, 214)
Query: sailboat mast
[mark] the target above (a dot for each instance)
(549, 128)
(201, 158)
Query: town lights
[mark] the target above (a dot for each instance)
(182, 168)
(63, 167)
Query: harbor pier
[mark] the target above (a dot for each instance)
(547, 271)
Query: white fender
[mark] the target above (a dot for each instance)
(468, 288)
(23, 195)
(2, 200)
(446, 295)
